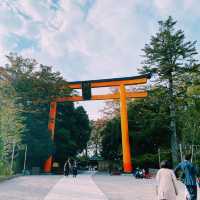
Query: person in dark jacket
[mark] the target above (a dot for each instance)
(189, 176)
(67, 166)
(74, 169)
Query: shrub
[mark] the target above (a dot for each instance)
(4, 169)
(146, 161)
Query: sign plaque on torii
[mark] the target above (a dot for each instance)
(122, 95)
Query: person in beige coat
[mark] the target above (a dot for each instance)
(166, 187)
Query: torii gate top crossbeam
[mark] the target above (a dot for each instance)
(87, 85)
(133, 80)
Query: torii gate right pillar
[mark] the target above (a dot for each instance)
(127, 165)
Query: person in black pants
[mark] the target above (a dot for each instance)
(66, 168)
(189, 176)
(74, 169)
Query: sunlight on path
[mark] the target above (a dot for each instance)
(82, 187)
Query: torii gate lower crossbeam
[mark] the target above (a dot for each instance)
(122, 95)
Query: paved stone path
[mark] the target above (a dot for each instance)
(27, 187)
(129, 188)
(80, 188)
(84, 187)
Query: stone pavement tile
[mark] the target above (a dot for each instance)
(27, 187)
(80, 188)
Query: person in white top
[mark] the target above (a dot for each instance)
(166, 188)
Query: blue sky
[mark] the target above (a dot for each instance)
(89, 39)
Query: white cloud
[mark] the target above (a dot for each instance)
(36, 10)
(103, 37)
(3, 51)
(88, 39)
(164, 6)
(192, 7)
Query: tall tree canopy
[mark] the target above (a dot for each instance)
(172, 106)
(111, 140)
(148, 129)
(168, 56)
(36, 86)
(72, 131)
(189, 108)
(10, 121)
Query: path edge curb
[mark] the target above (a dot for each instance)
(6, 178)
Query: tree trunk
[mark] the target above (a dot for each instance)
(173, 136)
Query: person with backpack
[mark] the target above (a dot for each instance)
(189, 176)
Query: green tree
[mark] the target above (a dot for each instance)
(111, 140)
(72, 131)
(189, 109)
(10, 123)
(148, 119)
(167, 56)
(36, 86)
(95, 142)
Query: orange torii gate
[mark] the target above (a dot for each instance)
(87, 95)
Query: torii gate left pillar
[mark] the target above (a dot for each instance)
(51, 127)
(122, 95)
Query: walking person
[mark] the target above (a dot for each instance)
(74, 169)
(189, 176)
(67, 166)
(166, 188)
